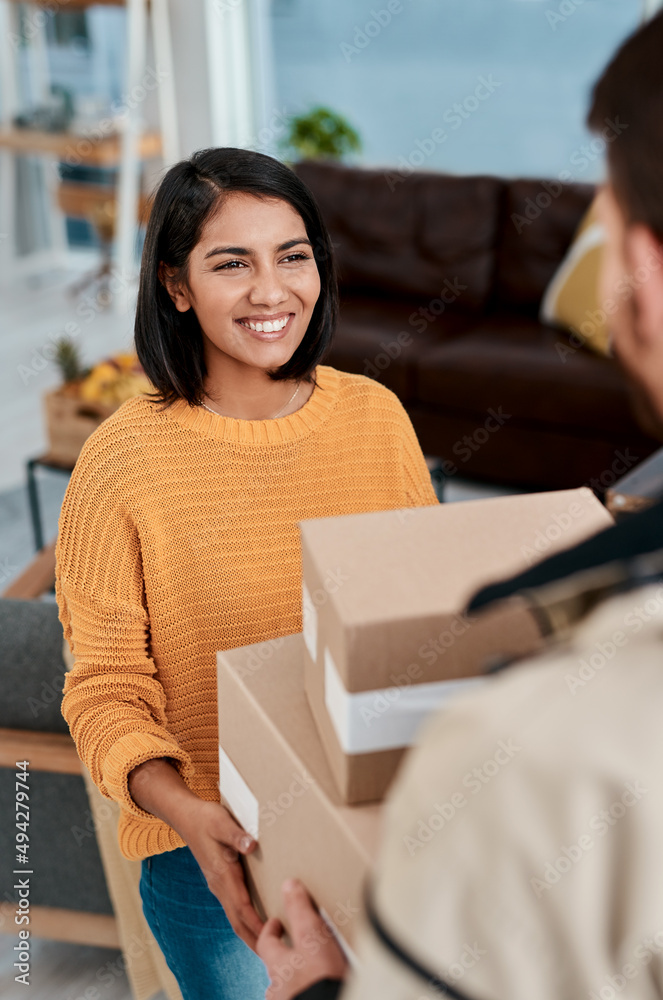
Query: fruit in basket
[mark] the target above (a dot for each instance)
(68, 360)
(115, 380)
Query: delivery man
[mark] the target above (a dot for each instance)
(522, 848)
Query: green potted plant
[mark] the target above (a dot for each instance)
(320, 134)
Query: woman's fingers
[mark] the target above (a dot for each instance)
(230, 833)
(225, 878)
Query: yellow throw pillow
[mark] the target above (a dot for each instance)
(572, 297)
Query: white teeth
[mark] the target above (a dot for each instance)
(266, 327)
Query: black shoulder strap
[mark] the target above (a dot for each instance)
(399, 952)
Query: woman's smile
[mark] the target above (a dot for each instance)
(267, 327)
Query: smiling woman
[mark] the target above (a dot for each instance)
(254, 302)
(179, 537)
(235, 242)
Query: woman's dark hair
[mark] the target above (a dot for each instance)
(169, 343)
(627, 110)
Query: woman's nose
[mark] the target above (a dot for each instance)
(268, 288)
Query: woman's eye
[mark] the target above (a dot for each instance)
(230, 265)
(295, 256)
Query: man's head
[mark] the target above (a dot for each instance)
(631, 205)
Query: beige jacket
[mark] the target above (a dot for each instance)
(523, 856)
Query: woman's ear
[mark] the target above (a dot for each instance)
(178, 293)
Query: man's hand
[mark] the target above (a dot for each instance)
(314, 955)
(211, 834)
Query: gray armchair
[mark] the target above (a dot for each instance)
(82, 890)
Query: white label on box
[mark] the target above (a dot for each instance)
(340, 940)
(309, 622)
(238, 795)
(384, 718)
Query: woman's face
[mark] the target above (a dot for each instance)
(253, 282)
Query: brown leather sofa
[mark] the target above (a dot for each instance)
(441, 282)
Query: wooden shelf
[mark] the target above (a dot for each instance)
(77, 3)
(53, 752)
(75, 926)
(71, 148)
(80, 201)
(36, 578)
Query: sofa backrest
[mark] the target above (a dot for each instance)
(32, 674)
(538, 224)
(407, 235)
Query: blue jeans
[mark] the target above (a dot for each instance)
(202, 950)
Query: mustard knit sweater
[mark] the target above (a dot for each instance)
(178, 537)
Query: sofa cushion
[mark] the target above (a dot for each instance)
(540, 219)
(384, 338)
(32, 675)
(531, 371)
(410, 235)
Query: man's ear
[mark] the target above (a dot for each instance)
(645, 257)
(178, 293)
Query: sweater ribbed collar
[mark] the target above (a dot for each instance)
(295, 425)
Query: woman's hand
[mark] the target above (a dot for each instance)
(314, 954)
(210, 832)
(216, 841)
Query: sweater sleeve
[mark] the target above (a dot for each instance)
(418, 483)
(113, 702)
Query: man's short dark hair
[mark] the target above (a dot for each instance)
(169, 343)
(630, 94)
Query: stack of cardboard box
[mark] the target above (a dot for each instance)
(313, 727)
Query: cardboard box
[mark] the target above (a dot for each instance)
(383, 597)
(275, 778)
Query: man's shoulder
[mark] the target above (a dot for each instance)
(637, 535)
